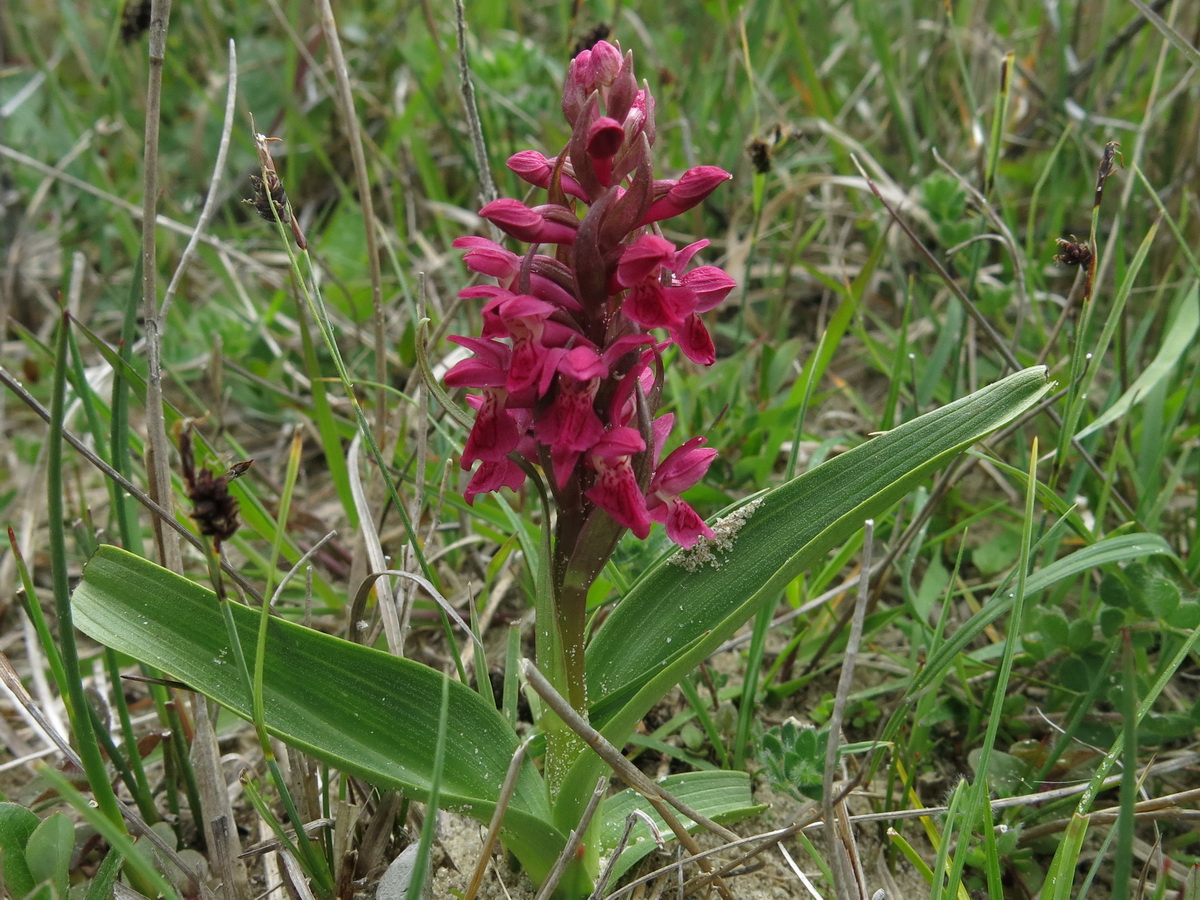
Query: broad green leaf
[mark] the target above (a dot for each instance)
(674, 617)
(16, 825)
(721, 796)
(365, 712)
(49, 851)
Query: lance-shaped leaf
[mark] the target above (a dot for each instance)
(723, 796)
(366, 712)
(674, 617)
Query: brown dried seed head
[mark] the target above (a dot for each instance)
(213, 507)
(269, 193)
(1073, 252)
(1110, 160)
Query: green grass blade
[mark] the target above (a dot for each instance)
(1126, 823)
(1177, 342)
(429, 826)
(77, 708)
(1105, 552)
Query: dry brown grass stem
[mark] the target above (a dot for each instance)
(158, 455)
(493, 832)
(1161, 807)
(214, 184)
(848, 878)
(573, 841)
(1171, 806)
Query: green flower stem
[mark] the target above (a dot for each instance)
(571, 614)
(142, 794)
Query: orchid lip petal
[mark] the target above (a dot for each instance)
(643, 258)
(605, 137)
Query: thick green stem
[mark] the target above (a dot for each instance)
(571, 616)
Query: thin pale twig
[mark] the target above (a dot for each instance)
(303, 560)
(506, 792)
(447, 607)
(488, 188)
(214, 184)
(137, 213)
(630, 821)
(573, 841)
(847, 869)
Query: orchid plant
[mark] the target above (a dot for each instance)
(570, 359)
(567, 375)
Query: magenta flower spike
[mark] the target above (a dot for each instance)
(580, 319)
(568, 365)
